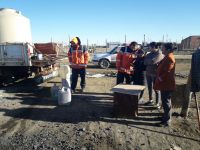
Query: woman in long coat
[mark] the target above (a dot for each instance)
(165, 81)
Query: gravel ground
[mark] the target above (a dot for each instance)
(30, 119)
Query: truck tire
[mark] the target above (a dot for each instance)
(104, 63)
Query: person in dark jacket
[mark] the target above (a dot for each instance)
(139, 70)
(193, 83)
(195, 71)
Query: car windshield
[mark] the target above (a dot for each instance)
(114, 50)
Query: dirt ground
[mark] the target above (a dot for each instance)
(30, 119)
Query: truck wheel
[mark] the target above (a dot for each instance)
(104, 63)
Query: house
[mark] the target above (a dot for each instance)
(190, 43)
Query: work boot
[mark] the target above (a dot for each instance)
(82, 90)
(164, 124)
(72, 91)
(150, 102)
(158, 106)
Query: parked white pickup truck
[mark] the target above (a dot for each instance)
(105, 60)
(20, 60)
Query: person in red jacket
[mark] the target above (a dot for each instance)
(124, 64)
(165, 81)
(78, 58)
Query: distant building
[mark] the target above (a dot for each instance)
(190, 43)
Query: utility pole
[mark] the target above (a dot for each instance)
(166, 37)
(163, 38)
(144, 40)
(125, 38)
(87, 44)
(68, 38)
(69, 41)
(106, 45)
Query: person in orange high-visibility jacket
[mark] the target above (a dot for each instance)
(78, 58)
(124, 62)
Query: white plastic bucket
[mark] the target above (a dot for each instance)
(64, 96)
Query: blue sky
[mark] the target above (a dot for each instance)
(98, 20)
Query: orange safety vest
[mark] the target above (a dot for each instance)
(78, 58)
(125, 60)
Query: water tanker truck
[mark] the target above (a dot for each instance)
(18, 56)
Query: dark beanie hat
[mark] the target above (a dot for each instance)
(169, 47)
(133, 43)
(153, 45)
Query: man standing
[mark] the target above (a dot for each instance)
(125, 58)
(193, 83)
(195, 71)
(78, 59)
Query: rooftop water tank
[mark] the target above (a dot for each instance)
(14, 27)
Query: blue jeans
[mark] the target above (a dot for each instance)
(150, 82)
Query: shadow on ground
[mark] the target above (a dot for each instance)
(37, 105)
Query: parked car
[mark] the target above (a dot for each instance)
(105, 60)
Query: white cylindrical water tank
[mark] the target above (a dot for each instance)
(14, 27)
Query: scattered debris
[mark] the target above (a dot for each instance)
(95, 75)
(181, 75)
(99, 75)
(112, 74)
